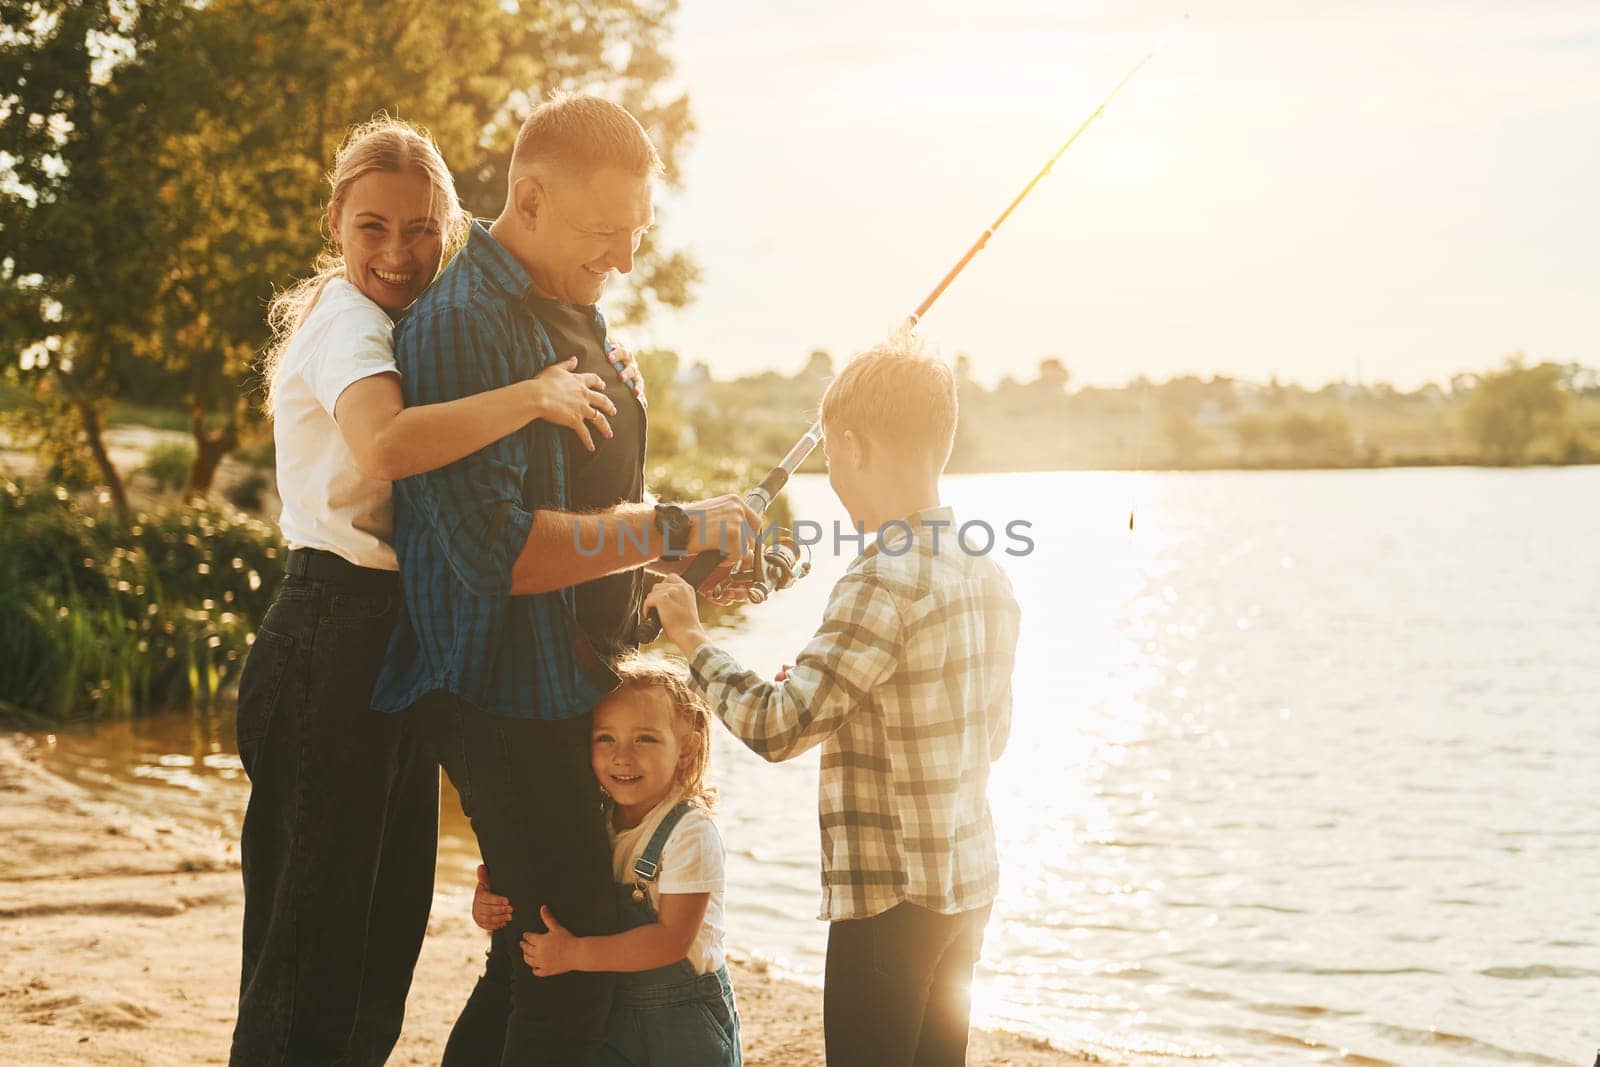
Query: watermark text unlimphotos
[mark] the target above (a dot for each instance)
(974, 537)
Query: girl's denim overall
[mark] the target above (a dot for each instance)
(669, 1016)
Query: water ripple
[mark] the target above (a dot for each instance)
(1538, 971)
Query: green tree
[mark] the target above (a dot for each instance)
(78, 272)
(237, 107)
(1317, 439)
(668, 423)
(1300, 430)
(817, 372)
(289, 78)
(1511, 408)
(1053, 378)
(1252, 430)
(1184, 439)
(965, 453)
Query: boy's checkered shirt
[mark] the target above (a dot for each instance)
(907, 686)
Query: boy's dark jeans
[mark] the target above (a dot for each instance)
(528, 788)
(897, 988)
(339, 836)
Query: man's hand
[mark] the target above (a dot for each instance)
(552, 953)
(783, 673)
(489, 911)
(673, 602)
(724, 524)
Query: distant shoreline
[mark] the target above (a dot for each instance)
(131, 442)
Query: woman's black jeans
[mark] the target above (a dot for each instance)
(340, 834)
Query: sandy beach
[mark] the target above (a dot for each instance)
(119, 945)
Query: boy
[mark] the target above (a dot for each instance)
(907, 686)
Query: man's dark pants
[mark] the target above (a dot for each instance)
(528, 788)
(478, 1038)
(897, 987)
(339, 836)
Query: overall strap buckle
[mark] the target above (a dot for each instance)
(648, 865)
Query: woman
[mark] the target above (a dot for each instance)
(339, 835)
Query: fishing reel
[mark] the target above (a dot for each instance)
(777, 566)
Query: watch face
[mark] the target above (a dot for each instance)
(673, 522)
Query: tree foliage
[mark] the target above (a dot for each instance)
(76, 273)
(161, 165)
(1511, 408)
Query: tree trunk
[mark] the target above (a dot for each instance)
(210, 446)
(93, 435)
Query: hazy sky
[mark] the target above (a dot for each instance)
(1308, 190)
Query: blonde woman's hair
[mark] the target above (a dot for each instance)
(383, 144)
(897, 395)
(691, 717)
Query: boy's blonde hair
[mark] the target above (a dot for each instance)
(382, 144)
(691, 717)
(897, 395)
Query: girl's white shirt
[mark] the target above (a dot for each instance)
(692, 862)
(327, 502)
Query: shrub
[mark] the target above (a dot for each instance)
(100, 618)
(112, 618)
(249, 491)
(169, 463)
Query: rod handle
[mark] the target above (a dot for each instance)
(699, 570)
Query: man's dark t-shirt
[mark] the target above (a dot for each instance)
(610, 475)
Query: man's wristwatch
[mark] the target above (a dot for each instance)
(673, 523)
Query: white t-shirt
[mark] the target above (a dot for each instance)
(327, 502)
(691, 862)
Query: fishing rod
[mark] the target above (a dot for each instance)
(784, 558)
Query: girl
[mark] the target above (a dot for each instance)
(651, 745)
(339, 835)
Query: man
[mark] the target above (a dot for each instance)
(521, 563)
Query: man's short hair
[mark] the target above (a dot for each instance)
(899, 397)
(578, 134)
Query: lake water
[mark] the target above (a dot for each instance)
(1301, 772)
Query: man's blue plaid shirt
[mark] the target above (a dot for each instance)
(459, 529)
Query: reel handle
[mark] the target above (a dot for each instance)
(699, 570)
